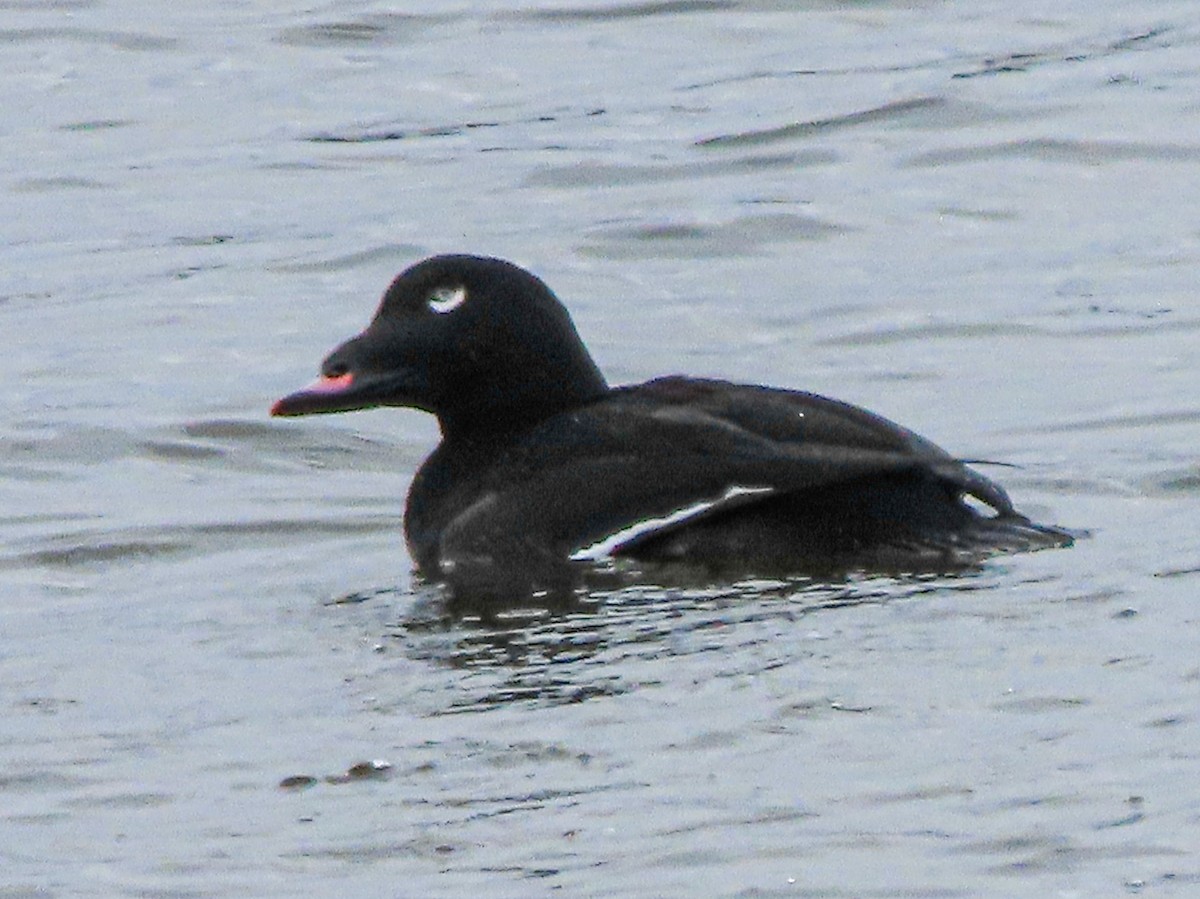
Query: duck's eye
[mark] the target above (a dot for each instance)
(447, 299)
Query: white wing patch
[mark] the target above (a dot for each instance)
(604, 547)
(447, 299)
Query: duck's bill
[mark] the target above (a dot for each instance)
(343, 393)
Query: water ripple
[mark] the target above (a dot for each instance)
(595, 645)
(692, 239)
(620, 11)
(898, 110)
(590, 174)
(1046, 149)
(383, 132)
(97, 547)
(119, 40)
(374, 30)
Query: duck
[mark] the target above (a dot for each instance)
(543, 468)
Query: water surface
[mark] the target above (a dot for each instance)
(220, 677)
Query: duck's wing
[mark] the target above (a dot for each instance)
(827, 429)
(661, 456)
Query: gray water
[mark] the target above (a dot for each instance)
(217, 675)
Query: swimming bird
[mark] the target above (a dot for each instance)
(543, 467)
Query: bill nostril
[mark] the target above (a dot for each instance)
(335, 369)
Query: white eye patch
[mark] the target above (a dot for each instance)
(447, 299)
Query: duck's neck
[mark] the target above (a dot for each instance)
(502, 410)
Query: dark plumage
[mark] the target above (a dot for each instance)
(543, 466)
